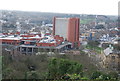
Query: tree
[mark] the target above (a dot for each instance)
(95, 75)
(60, 67)
(31, 75)
(100, 76)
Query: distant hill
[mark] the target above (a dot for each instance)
(36, 18)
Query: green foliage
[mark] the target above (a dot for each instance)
(95, 75)
(74, 76)
(18, 67)
(85, 21)
(31, 75)
(84, 78)
(7, 72)
(60, 67)
(96, 49)
(93, 45)
(113, 75)
(82, 52)
(55, 67)
(100, 76)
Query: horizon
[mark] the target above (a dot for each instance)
(54, 12)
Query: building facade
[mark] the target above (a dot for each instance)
(68, 28)
(112, 61)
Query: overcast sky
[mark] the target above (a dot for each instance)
(102, 7)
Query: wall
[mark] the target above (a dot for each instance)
(61, 27)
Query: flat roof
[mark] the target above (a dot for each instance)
(11, 38)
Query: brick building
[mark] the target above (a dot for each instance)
(68, 28)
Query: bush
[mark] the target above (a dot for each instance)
(59, 67)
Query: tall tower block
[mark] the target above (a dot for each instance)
(68, 28)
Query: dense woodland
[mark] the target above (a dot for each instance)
(55, 66)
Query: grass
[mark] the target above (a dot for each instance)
(85, 21)
(96, 49)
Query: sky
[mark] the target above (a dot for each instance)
(100, 7)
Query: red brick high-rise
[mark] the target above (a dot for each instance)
(68, 28)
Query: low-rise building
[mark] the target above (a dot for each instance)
(112, 60)
(33, 43)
